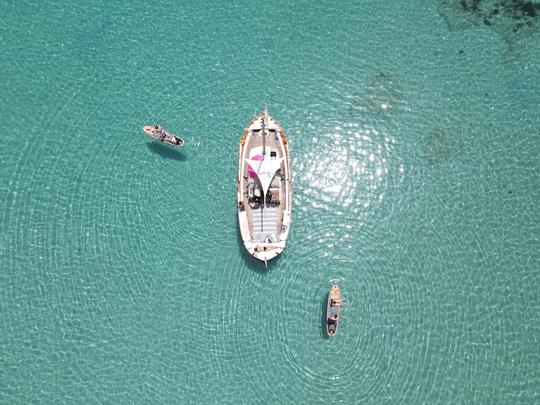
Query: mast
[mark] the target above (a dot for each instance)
(263, 124)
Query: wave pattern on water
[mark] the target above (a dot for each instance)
(124, 279)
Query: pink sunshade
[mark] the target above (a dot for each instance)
(251, 172)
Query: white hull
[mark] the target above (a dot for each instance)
(264, 194)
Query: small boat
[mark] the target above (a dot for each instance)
(332, 310)
(264, 191)
(159, 134)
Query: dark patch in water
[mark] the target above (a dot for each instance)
(166, 151)
(441, 145)
(381, 96)
(508, 18)
(529, 8)
(269, 43)
(469, 5)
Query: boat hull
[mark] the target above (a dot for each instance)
(159, 134)
(264, 189)
(333, 307)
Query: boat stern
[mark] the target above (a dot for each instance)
(265, 256)
(150, 129)
(264, 251)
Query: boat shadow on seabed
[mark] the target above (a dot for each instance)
(166, 151)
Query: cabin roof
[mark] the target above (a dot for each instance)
(265, 169)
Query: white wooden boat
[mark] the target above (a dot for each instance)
(264, 194)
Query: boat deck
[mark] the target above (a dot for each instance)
(264, 219)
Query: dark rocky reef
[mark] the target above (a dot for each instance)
(506, 17)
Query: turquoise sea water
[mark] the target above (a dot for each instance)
(414, 134)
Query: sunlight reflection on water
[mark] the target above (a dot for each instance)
(352, 173)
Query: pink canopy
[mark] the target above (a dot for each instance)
(252, 173)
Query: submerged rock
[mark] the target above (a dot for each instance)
(381, 95)
(506, 17)
(440, 145)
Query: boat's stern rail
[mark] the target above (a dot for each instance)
(264, 251)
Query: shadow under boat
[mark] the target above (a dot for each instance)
(166, 151)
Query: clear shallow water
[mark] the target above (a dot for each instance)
(416, 186)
